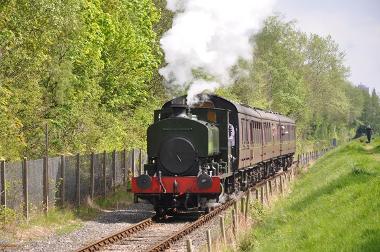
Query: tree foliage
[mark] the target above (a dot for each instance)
(303, 76)
(81, 66)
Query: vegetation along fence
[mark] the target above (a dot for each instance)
(35, 185)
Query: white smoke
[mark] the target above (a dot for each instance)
(211, 36)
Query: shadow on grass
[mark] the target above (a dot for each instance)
(356, 176)
(370, 240)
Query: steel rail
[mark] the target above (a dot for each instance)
(98, 245)
(165, 244)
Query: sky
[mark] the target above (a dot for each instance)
(354, 25)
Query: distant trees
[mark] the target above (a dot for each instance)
(303, 76)
(371, 109)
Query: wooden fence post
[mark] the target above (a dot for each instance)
(63, 179)
(114, 170)
(257, 195)
(25, 183)
(209, 240)
(270, 187)
(3, 188)
(262, 195)
(242, 205)
(189, 247)
(247, 204)
(141, 163)
(45, 184)
(92, 176)
(236, 211)
(298, 160)
(104, 174)
(266, 192)
(222, 229)
(275, 185)
(124, 165)
(234, 222)
(285, 178)
(281, 186)
(78, 180)
(133, 163)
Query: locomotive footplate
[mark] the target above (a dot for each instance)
(176, 185)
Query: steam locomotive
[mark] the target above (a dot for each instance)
(215, 147)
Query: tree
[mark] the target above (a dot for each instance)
(83, 67)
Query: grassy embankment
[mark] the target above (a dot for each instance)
(60, 220)
(335, 206)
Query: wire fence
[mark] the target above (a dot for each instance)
(32, 186)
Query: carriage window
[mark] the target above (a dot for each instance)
(290, 132)
(271, 131)
(242, 131)
(263, 133)
(251, 131)
(260, 133)
(246, 132)
(256, 132)
(287, 132)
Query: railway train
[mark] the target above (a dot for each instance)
(215, 147)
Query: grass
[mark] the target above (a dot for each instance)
(121, 198)
(13, 226)
(335, 206)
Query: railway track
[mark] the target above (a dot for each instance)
(118, 236)
(152, 236)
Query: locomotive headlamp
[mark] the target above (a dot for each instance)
(144, 181)
(204, 181)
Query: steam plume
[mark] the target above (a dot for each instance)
(209, 37)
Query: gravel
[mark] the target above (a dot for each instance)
(105, 224)
(144, 240)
